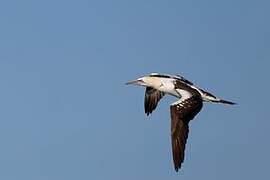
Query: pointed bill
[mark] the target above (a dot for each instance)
(136, 82)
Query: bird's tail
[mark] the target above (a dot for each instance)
(222, 101)
(211, 98)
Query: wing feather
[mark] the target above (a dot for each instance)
(181, 113)
(151, 99)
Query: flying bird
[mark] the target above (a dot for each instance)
(189, 103)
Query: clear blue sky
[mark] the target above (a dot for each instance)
(66, 113)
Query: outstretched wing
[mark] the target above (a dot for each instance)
(182, 112)
(151, 99)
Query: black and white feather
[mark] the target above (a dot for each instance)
(189, 103)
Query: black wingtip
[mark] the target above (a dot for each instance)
(177, 169)
(147, 112)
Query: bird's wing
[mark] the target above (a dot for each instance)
(151, 99)
(181, 78)
(182, 111)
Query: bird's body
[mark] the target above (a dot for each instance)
(182, 111)
(178, 86)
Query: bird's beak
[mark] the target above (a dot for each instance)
(136, 82)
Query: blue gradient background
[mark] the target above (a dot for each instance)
(66, 113)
